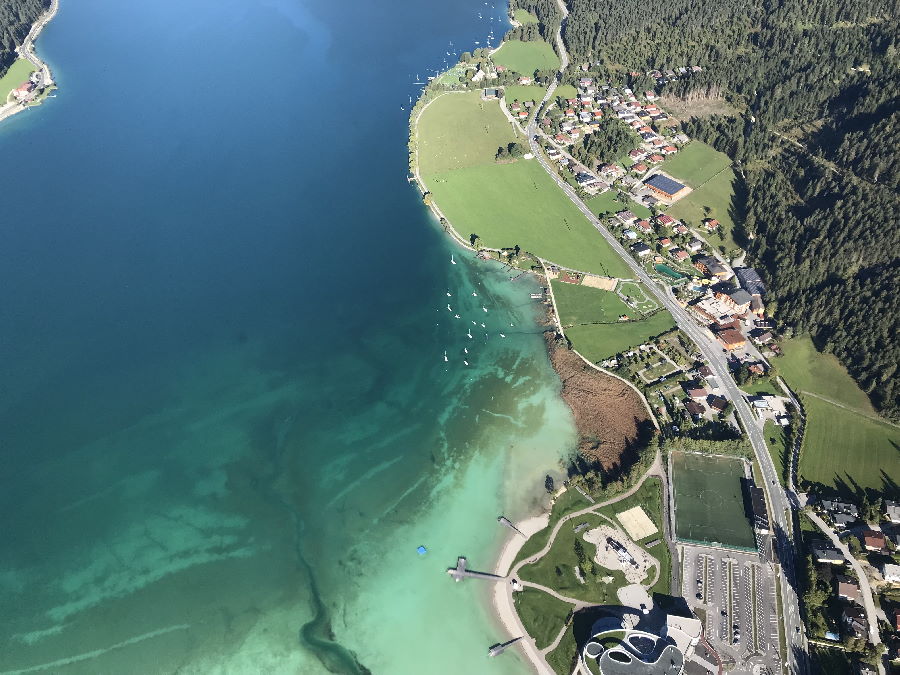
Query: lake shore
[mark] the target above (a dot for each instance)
(26, 51)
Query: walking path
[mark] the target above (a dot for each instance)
(503, 593)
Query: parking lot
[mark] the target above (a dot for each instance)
(735, 593)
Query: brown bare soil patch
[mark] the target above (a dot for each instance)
(611, 419)
(698, 107)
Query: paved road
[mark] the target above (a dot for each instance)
(866, 590)
(779, 500)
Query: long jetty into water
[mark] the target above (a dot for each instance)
(500, 647)
(460, 572)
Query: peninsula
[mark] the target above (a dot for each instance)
(27, 81)
(607, 185)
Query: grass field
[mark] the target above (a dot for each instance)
(565, 91)
(696, 163)
(509, 204)
(461, 130)
(561, 658)
(522, 93)
(638, 295)
(600, 341)
(607, 204)
(523, 16)
(17, 74)
(542, 614)
(709, 502)
(526, 57)
(842, 445)
(556, 569)
(582, 304)
(805, 368)
(716, 196)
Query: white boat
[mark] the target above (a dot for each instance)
(452, 261)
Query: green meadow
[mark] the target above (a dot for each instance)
(461, 130)
(608, 204)
(712, 200)
(526, 57)
(523, 16)
(518, 203)
(696, 163)
(845, 442)
(17, 74)
(582, 304)
(522, 93)
(600, 341)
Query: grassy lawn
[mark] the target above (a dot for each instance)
(542, 614)
(518, 203)
(600, 341)
(637, 295)
(556, 569)
(806, 369)
(565, 91)
(521, 93)
(582, 304)
(659, 370)
(709, 501)
(607, 204)
(716, 196)
(461, 130)
(696, 163)
(561, 658)
(17, 74)
(841, 447)
(649, 497)
(452, 75)
(523, 16)
(568, 502)
(775, 441)
(526, 57)
(762, 386)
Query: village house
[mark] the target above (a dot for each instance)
(694, 245)
(630, 234)
(873, 540)
(836, 506)
(710, 224)
(695, 409)
(680, 228)
(854, 620)
(641, 249)
(826, 554)
(712, 267)
(679, 254)
(890, 572)
(640, 167)
(491, 94)
(627, 217)
(524, 80)
(731, 339)
(892, 511)
(697, 394)
(843, 520)
(846, 588)
(665, 220)
(644, 226)
(665, 242)
(738, 299)
(718, 403)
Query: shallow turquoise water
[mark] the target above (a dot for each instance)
(227, 418)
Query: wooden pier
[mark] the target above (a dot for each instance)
(500, 647)
(460, 572)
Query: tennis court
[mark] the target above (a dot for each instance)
(709, 501)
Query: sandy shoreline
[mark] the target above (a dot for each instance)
(26, 51)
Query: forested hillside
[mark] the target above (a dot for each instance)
(16, 18)
(814, 87)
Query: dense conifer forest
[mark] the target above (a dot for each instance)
(813, 86)
(16, 18)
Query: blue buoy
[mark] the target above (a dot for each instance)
(421, 550)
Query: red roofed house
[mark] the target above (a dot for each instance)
(570, 112)
(525, 80)
(731, 339)
(665, 242)
(644, 226)
(679, 254)
(640, 167)
(873, 540)
(664, 219)
(669, 149)
(710, 223)
(680, 229)
(656, 158)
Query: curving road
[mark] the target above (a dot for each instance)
(780, 501)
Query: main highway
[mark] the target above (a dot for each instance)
(780, 501)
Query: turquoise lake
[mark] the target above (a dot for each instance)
(227, 418)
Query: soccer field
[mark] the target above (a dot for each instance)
(709, 502)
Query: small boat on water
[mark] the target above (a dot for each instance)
(452, 261)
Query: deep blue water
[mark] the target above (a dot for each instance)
(226, 417)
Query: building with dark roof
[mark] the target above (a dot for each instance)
(665, 187)
(750, 280)
(760, 512)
